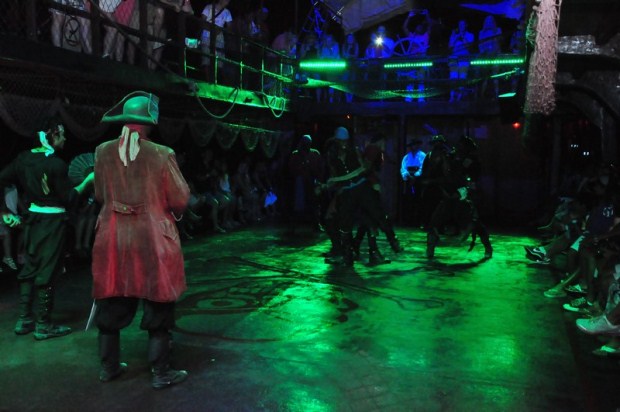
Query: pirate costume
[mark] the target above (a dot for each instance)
(43, 179)
(137, 252)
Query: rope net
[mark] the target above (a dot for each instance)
(540, 95)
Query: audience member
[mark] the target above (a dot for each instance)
(329, 49)
(10, 203)
(71, 31)
(380, 46)
(418, 41)
(350, 52)
(489, 44)
(218, 19)
(459, 44)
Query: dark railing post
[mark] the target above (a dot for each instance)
(262, 67)
(31, 19)
(241, 54)
(95, 27)
(142, 7)
(213, 32)
(181, 33)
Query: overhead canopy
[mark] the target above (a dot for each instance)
(359, 14)
(512, 9)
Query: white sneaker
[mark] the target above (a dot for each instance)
(535, 253)
(597, 325)
(7, 260)
(579, 305)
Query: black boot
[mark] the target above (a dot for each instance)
(393, 240)
(374, 256)
(25, 323)
(109, 353)
(45, 329)
(357, 243)
(483, 234)
(432, 238)
(347, 248)
(335, 251)
(159, 357)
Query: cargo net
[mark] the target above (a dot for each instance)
(30, 99)
(434, 84)
(543, 27)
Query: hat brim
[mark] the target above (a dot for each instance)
(116, 115)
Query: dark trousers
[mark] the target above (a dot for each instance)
(44, 237)
(358, 200)
(117, 313)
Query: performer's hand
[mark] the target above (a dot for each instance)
(319, 189)
(90, 179)
(11, 220)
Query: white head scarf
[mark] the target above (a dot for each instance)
(49, 150)
(130, 138)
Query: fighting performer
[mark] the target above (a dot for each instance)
(137, 252)
(449, 177)
(307, 168)
(353, 194)
(42, 177)
(467, 168)
(373, 158)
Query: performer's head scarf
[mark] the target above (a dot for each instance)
(134, 110)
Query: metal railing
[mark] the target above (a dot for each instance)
(152, 34)
(156, 35)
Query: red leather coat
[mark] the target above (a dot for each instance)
(137, 251)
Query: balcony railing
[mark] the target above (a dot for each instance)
(157, 36)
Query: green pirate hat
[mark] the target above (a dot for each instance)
(137, 107)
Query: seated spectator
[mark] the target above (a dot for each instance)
(225, 194)
(10, 204)
(207, 191)
(249, 205)
(65, 27)
(262, 181)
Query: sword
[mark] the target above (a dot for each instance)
(93, 309)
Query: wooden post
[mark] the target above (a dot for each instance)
(95, 27)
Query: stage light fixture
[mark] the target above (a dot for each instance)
(497, 62)
(407, 65)
(323, 65)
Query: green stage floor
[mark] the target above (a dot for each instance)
(266, 325)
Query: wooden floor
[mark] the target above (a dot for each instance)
(266, 325)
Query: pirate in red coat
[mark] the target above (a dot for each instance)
(137, 252)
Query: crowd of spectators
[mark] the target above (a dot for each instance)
(241, 30)
(581, 241)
